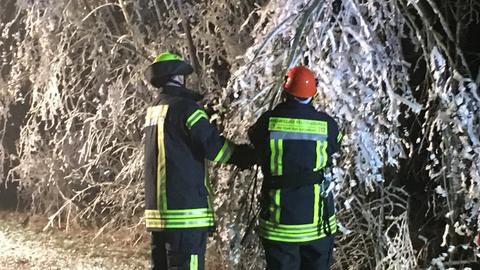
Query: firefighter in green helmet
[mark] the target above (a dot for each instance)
(178, 140)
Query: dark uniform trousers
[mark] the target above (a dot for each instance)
(179, 250)
(314, 255)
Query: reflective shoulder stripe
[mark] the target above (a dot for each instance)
(298, 125)
(225, 153)
(339, 137)
(195, 117)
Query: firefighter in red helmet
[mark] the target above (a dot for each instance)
(300, 82)
(295, 143)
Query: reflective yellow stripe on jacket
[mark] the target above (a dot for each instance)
(195, 117)
(281, 130)
(295, 233)
(193, 262)
(156, 117)
(162, 217)
(179, 218)
(225, 152)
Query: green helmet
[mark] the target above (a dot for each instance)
(164, 66)
(167, 56)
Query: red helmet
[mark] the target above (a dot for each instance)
(300, 82)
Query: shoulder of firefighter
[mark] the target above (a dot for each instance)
(178, 140)
(295, 143)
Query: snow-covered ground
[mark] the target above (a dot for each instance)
(21, 248)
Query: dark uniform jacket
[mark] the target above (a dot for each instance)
(178, 139)
(295, 143)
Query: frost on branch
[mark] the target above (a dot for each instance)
(356, 49)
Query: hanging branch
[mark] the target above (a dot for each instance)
(191, 46)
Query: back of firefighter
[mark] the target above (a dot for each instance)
(178, 140)
(295, 143)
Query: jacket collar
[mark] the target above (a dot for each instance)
(294, 103)
(179, 91)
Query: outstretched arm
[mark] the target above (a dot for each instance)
(215, 147)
